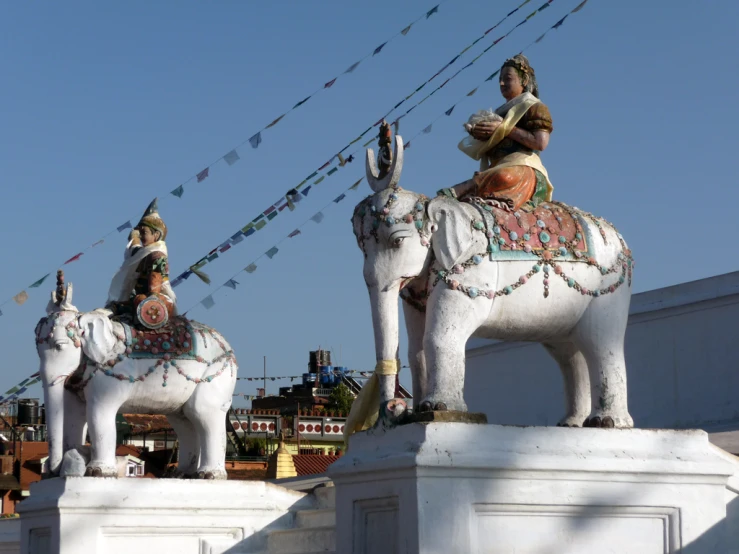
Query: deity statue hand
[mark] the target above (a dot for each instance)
(484, 130)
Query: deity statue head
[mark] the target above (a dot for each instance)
(151, 227)
(517, 76)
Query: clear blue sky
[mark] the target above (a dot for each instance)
(106, 106)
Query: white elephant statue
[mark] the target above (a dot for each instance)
(93, 368)
(553, 275)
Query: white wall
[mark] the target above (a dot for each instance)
(681, 356)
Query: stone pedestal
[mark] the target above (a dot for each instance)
(164, 516)
(489, 489)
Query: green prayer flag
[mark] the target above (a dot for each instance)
(355, 185)
(38, 283)
(321, 178)
(272, 215)
(260, 225)
(332, 171)
(249, 226)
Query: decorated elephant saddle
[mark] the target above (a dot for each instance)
(531, 231)
(176, 338)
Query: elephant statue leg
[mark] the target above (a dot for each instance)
(449, 325)
(101, 420)
(600, 336)
(576, 382)
(75, 421)
(189, 445)
(415, 323)
(208, 419)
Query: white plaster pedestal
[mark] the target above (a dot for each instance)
(487, 489)
(81, 515)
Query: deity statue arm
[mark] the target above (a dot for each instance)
(537, 140)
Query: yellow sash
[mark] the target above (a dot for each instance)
(366, 407)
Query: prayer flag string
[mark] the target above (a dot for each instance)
(254, 141)
(319, 216)
(314, 179)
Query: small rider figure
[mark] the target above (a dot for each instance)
(145, 269)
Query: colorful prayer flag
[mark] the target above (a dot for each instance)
(473, 91)
(450, 110)
(231, 284)
(427, 130)
(317, 217)
(73, 258)
(260, 225)
(203, 175)
(273, 215)
(405, 31)
(432, 11)
(275, 122)
(38, 283)
(208, 302)
(232, 157)
(269, 210)
(101, 241)
(332, 171)
(352, 67)
(321, 178)
(21, 298)
(330, 83)
(178, 192)
(256, 140)
(303, 101)
(538, 40)
(237, 238)
(295, 233)
(339, 198)
(355, 185)
(379, 49)
(492, 76)
(251, 268)
(272, 252)
(580, 6)
(559, 23)
(126, 225)
(306, 190)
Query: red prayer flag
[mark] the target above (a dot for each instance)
(324, 166)
(330, 83)
(203, 175)
(73, 259)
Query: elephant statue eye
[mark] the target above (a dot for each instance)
(60, 344)
(398, 241)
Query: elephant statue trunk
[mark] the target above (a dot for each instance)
(385, 322)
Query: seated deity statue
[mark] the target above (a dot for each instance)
(507, 141)
(144, 276)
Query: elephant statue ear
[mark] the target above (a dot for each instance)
(98, 340)
(451, 231)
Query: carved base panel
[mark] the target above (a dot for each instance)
(162, 516)
(486, 489)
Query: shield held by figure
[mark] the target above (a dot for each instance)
(152, 313)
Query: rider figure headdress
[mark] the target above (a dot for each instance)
(153, 220)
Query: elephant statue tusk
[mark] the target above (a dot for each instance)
(393, 177)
